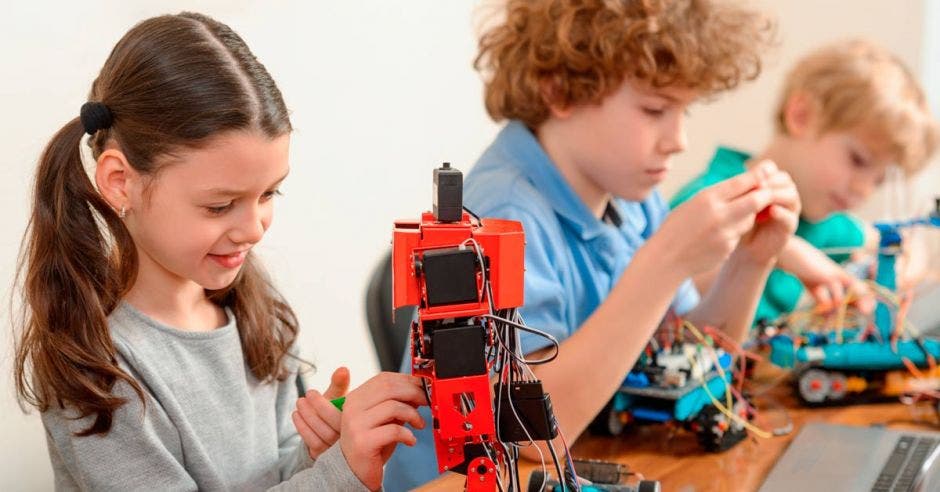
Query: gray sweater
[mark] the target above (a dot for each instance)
(208, 424)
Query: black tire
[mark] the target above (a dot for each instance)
(607, 422)
(535, 481)
(648, 486)
(713, 439)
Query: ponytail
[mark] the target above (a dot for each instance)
(75, 275)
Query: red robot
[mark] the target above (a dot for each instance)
(465, 275)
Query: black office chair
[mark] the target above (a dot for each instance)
(389, 337)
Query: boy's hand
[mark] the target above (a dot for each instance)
(828, 283)
(317, 421)
(701, 233)
(832, 286)
(373, 423)
(764, 241)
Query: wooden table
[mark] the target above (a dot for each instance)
(673, 456)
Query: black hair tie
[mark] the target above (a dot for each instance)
(95, 116)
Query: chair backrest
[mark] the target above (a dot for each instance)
(389, 336)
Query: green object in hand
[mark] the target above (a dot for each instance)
(338, 402)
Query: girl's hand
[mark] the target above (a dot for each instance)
(373, 423)
(317, 421)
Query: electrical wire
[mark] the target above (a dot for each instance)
(505, 359)
(727, 410)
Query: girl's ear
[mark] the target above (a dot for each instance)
(799, 115)
(113, 175)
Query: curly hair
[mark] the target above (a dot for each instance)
(856, 84)
(585, 49)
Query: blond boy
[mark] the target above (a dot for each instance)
(848, 111)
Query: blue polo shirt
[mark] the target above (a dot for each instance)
(572, 258)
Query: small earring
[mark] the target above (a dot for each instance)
(123, 212)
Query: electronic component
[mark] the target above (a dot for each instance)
(539, 481)
(601, 471)
(459, 351)
(448, 194)
(450, 276)
(525, 412)
(465, 275)
(686, 383)
(845, 355)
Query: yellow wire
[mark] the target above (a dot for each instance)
(702, 340)
(721, 373)
(753, 428)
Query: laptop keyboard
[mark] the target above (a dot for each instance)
(900, 470)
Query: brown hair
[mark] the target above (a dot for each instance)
(171, 82)
(586, 48)
(856, 84)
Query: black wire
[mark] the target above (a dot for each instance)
(503, 324)
(475, 216)
(427, 391)
(533, 331)
(561, 476)
(492, 457)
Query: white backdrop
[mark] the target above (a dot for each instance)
(380, 93)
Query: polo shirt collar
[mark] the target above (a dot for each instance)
(530, 158)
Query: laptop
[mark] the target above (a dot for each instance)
(833, 458)
(923, 313)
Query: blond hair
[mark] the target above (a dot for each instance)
(585, 49)
(856, 84)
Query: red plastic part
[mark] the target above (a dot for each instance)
(481, 475)
(502, 241)
(454, 428)
(763, 215)
(503, 245)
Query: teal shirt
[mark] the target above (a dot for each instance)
(783, 290)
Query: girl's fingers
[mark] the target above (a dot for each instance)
(313, 420)
(388, 386)
(325, 409)
(315, 445)
(392, 411)
(391, 434)
(339, 384)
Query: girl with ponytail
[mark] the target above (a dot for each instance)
(152, 342)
